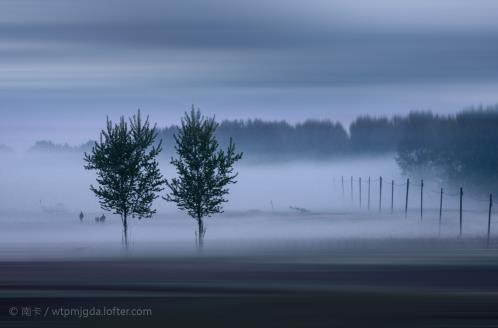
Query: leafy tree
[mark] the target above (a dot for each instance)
(128, 174)
(460, 148)
(204, 171)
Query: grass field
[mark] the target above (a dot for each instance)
(331, 269)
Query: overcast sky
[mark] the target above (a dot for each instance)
(65, 65)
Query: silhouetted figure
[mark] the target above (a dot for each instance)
(100, 219)
(81, 216)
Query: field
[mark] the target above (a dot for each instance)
(290, 269)
(334, 264)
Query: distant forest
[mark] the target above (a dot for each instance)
(51, 147)
(463, 145)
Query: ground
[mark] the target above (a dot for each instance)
(258, 269)
(341, 288)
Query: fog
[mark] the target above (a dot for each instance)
(257, 218)
(28, 178)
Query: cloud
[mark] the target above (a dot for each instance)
(276, 59)
(78, 44)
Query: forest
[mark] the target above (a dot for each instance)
(457, 147)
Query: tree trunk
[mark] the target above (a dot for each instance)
(125, 232)
(200, 234)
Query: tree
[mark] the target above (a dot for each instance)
(459, 148)
(128, 174)
(204, 171)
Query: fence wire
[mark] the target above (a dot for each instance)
(383, 188)
(352, 186)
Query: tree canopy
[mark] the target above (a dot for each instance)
(204, 171)
(128, 175)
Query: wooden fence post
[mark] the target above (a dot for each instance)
(380, 195)
(406, 200)
(369, 193)
(489, 218)
(342, 183)
(392, 196)
(351, 187)
(461, 199)
(421, 199)
(440, 211)
(359, 185)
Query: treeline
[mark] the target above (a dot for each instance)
(277, 140)
(51, 147)
(461, 146)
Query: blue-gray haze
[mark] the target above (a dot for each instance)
(65, 65)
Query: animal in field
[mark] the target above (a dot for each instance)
(100, 219)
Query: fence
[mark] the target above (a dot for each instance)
(459, 194)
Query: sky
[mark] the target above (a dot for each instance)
(65, 65)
